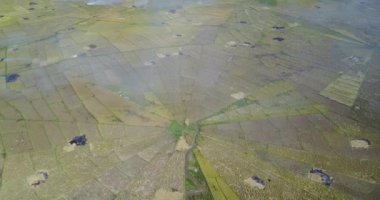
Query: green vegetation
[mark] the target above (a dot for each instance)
(7, 20)
(233, 106)
(176, 129)
(268, 2)
(238, 104)
(195, 183)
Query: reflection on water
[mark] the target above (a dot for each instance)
(198, 98)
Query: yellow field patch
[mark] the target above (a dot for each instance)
(219, 188)
(344, 89)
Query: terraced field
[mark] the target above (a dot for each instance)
(185, 99)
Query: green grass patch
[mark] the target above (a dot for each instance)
(7, 20)
(195, 181)
(236, 104)
(268, 2)
(180, 129)
(233, 106)
(176, 129)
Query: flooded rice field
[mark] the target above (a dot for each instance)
(189, 99)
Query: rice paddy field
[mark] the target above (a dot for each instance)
(189, 99)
